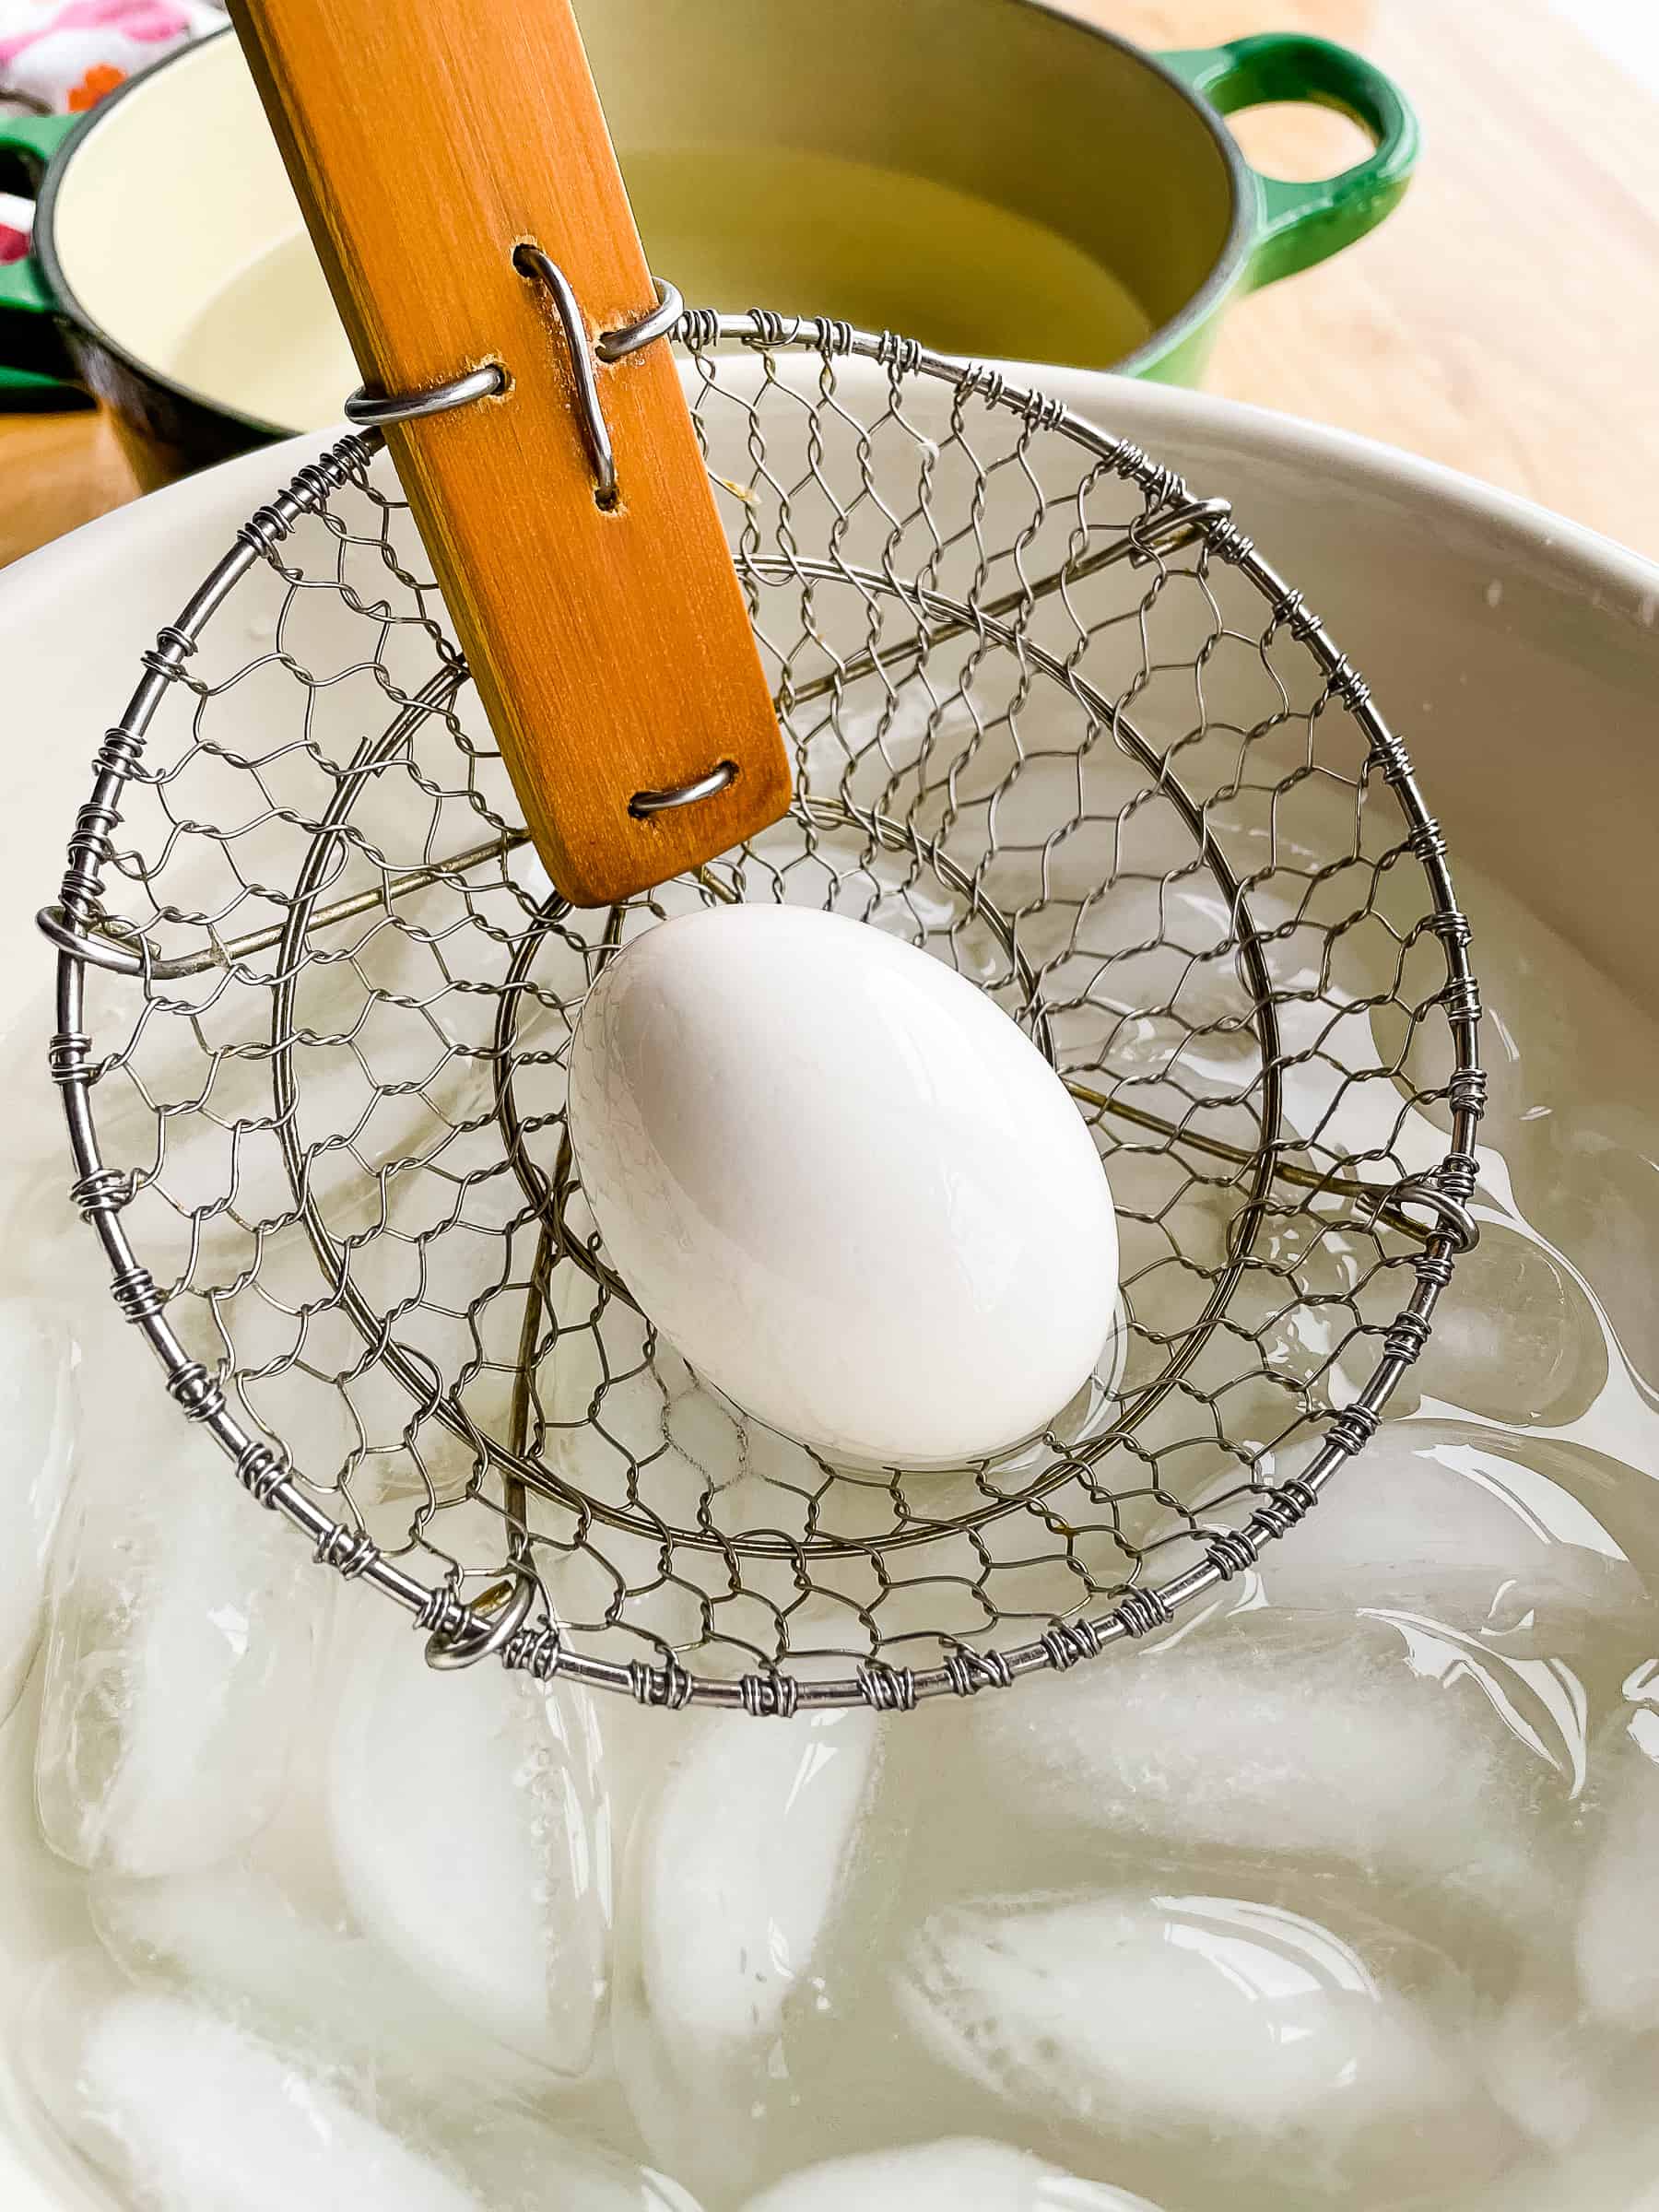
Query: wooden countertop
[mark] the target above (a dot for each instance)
(1504, 321)
(1505, 318)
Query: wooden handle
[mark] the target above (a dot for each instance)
(428, 141)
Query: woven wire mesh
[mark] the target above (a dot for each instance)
(1055, 721)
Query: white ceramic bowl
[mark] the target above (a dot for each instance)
(1517, 653)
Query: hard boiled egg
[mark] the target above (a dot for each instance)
(843, 1183)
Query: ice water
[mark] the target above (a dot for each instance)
(1338, 1894)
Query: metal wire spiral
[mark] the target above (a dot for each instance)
(1052, 718)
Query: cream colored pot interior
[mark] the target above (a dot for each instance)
(1020, 190)
(178, 189)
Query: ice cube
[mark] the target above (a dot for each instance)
(233, 1939)
(1479, 1523)
(1515, 1339)
(1573, 1076)
(189, 2113)
(192, 2112)
(1542, 2066)
(1387, 1748)
(472, 1829)
(1618, 1931)
(1210, 2040)
(37, 1418)
(519, 2164)
(184, 1623)
(741, 1948)
(1615, 2174)
(964, 2173)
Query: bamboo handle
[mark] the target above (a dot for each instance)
(429, 142)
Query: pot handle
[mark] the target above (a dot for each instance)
(36, 371)
(1300, 223)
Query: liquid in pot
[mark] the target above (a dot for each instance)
(735, 228)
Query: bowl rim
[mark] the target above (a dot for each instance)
(1616, 577)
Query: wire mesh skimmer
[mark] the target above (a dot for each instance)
(1053, 720)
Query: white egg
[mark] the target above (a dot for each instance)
(843, 1183)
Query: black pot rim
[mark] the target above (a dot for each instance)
(69, 304)
(1193, 310)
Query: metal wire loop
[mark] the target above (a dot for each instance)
(94, 946)
(1452, 1217)
(445, 1653)
(616, 345)
(368, 410)
(720, 778)
(611, 345)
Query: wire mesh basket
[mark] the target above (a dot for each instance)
(1052, 720)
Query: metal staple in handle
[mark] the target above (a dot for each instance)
(371, 411)
(611, 345)
(720, 778)
(366, 411)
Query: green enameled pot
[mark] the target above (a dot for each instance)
(991, 176)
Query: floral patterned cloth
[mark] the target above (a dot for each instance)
(61, 56)
(66, 54)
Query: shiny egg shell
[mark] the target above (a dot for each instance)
(843, 1183)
